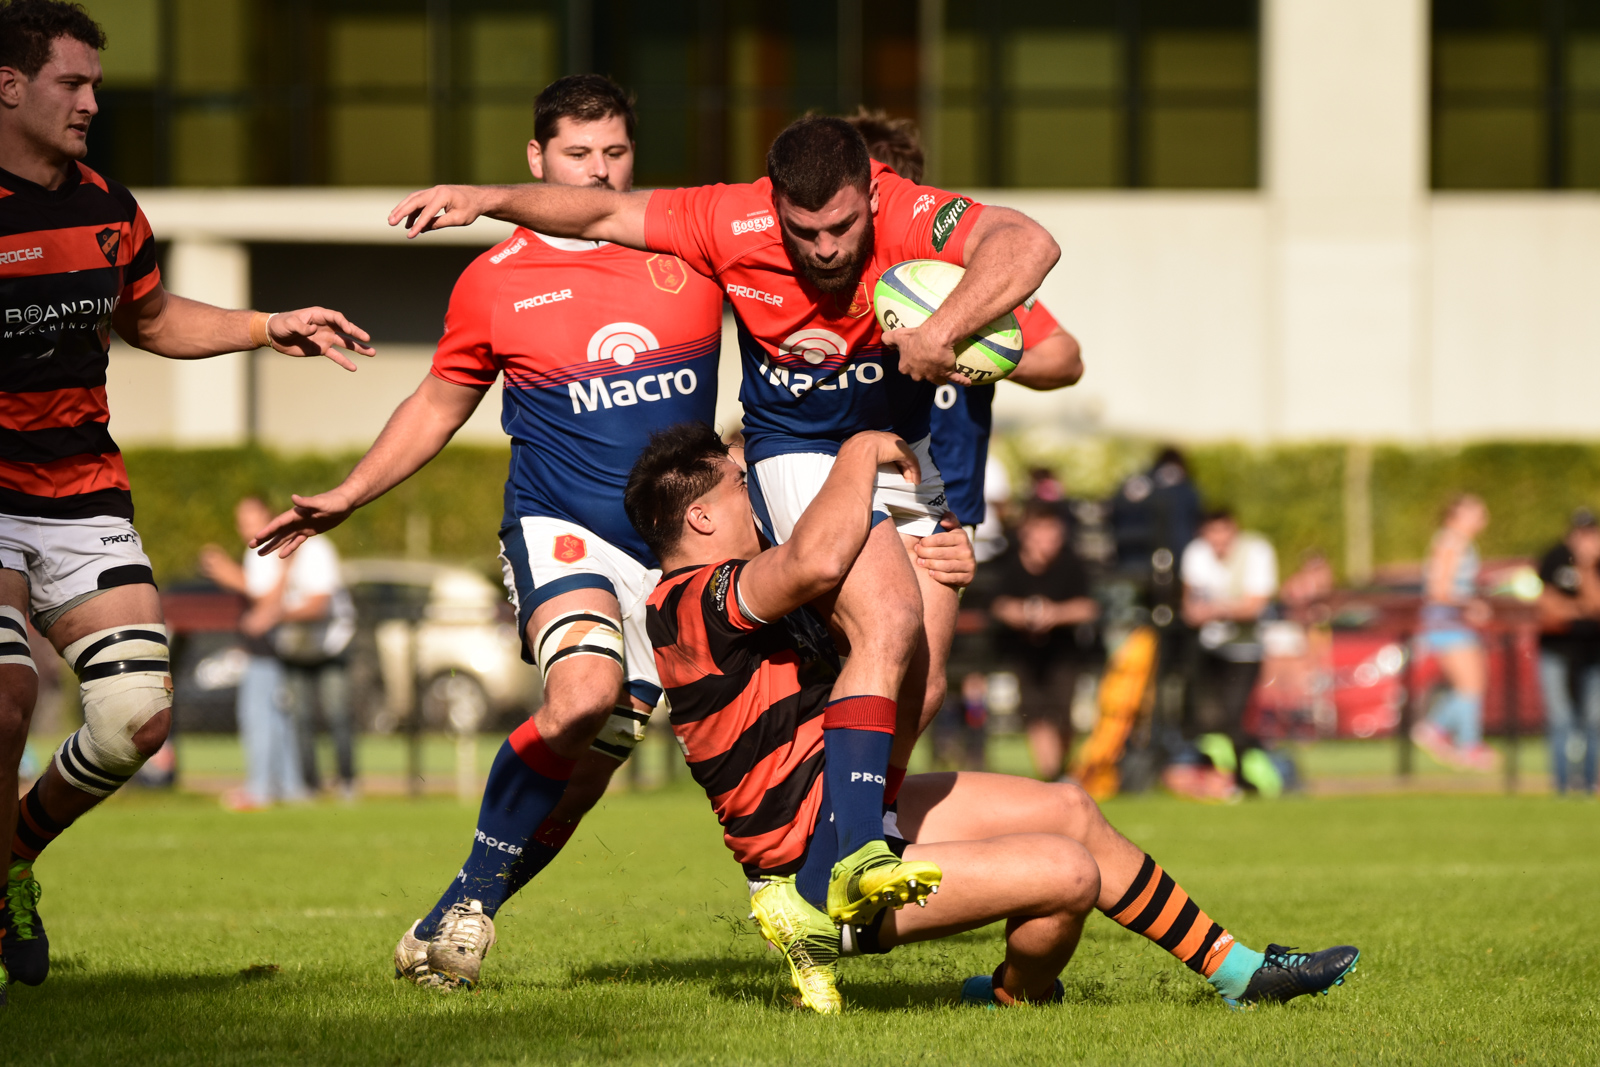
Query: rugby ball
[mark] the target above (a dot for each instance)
(909, 292)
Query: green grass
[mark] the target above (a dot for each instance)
(184, 934)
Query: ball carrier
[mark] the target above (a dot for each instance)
(77, 261)
(798, 253)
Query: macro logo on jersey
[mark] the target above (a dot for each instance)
(569, 548)
(816, 345)
(945, 220)
(621, 342)
(667, 273)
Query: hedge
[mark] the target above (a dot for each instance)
(1292, 493)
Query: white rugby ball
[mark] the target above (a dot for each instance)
(911, 291)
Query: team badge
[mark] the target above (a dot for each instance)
(860, 302)
(569, 548)
(110, 240)
(667, 273)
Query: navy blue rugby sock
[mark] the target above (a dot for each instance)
(857, 734)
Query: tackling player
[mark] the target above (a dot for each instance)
(599, 345)
(798, 253)
(1039, 855)
(77, 261)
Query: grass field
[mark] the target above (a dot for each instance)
(184, 934)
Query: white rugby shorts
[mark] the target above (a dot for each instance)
(542, 558)
(782, 487)
(70, 560)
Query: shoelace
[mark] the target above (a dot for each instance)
(23, 901)
(468, 929)
(1284, 957)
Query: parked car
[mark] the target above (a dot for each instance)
(430, 636)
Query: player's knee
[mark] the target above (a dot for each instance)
(891, 631)
(938, 689)
(1078, 877)
(576, 713)
(1075, 809)
(126, 691)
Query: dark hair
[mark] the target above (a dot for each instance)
(677, 467)
(1218, 514)
(1037, 510)
(1170, 454)
(29, 28)
(581, 98)
(816, 157)
(892, 142)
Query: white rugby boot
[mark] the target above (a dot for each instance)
(464, 937)
(411, 959)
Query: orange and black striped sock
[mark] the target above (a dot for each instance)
(35, 828)
(1158, 908)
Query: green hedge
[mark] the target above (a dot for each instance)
(1295, 493)
(1292, 493)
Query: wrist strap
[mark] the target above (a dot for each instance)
(259, 338)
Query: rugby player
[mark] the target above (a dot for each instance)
(77, 261)
(599, 345)
(798, 253)
(746, 701)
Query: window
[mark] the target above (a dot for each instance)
(1516, 94)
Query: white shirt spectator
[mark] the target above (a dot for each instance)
(989, 539)
(313, 571)
(1250, 570)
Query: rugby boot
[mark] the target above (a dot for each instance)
(807, 939)
(464, 937)
(987, 991)
(1286, 974)
(411, 959)
(873, 878)
(23, 944)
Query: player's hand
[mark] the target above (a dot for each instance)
(439, 207)
(310, 516)
(889, 450)
(924, 357)
(947, 555)
(318, 332)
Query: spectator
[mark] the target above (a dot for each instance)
(1042, 598)
(1453, 731)
(989, 537)
(266, 733)
(1158, 509)
(1569, 645)
(314, 633)
(1229, 579)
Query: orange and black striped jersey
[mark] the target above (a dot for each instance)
(746, 701)
(68, 257)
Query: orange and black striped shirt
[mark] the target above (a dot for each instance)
(68, 257)
(746, 701)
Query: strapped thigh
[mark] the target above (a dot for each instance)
(14, 648)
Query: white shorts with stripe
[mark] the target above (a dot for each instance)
(782, 487)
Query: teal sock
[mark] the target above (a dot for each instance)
(1232, 976)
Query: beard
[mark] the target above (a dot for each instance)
(845, 273)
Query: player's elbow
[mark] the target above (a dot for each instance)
(826, 568)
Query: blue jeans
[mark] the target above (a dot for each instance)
(272, 760)
(1561, 714)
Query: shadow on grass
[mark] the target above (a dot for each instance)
(744, 978)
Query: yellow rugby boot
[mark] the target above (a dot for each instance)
(873, 878)
(807, 940)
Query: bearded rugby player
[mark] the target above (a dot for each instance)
(1038, 855)
(798, 253)
(78, 260)
(599, 345)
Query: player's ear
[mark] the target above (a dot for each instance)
(536, 159)
(699, 519)
(872, 196)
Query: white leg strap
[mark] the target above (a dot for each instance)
(14, 647)
(124, 682)
(577, 633)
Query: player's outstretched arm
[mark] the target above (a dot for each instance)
(1054, 363)
(1006, 257)
(414, 434)
(180, 328)
(558, 210)
(829, 535)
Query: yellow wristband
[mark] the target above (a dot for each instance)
(258, 330)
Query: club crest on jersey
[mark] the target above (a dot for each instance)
(946, 218)
(667, 273)
(860, 302)
(109, 239)
(621, 342)
(569, 548)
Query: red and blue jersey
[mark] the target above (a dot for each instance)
(962, 420)
(815, 366)
(599, 346)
